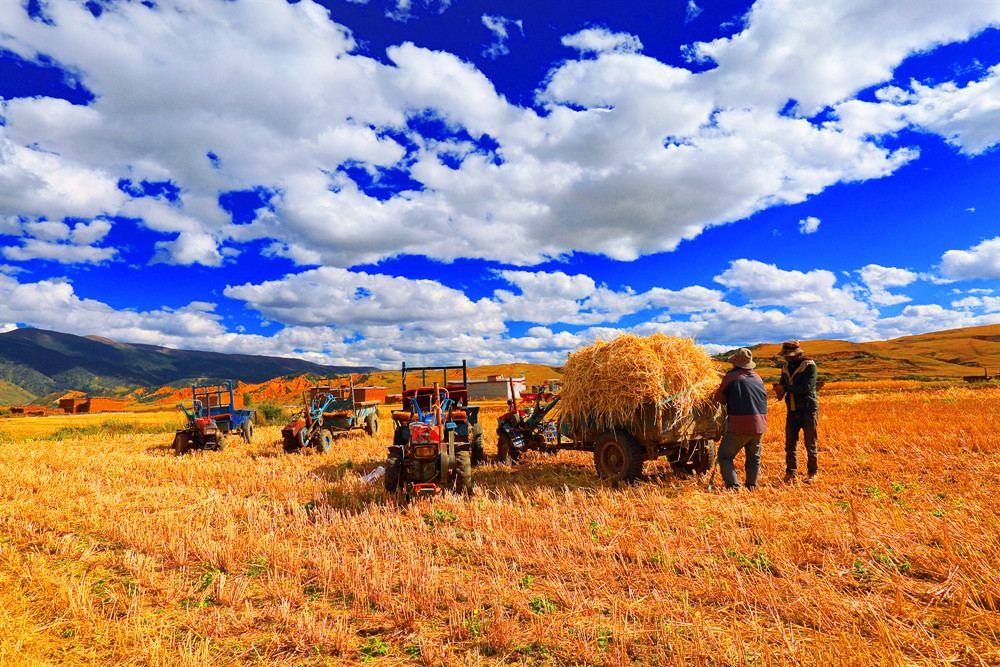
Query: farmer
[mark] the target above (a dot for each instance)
(745, 397)
(798, 388)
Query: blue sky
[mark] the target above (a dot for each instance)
(367, 182)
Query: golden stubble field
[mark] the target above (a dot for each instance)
(114, 551)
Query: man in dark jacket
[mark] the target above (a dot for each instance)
(745, 397)
(798, 388)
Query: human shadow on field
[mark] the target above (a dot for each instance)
(266, 453)
(537, 471)
(338, 471)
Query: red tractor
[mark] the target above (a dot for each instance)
(437, 438)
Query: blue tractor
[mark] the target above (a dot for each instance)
(213, 416)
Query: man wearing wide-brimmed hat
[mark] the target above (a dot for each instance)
(798, 388)
(743, 393)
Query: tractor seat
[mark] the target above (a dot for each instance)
(337, 414)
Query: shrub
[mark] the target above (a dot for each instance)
(269, 413)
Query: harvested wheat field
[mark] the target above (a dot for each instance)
(115, 551)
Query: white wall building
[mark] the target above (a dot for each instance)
(495, 387)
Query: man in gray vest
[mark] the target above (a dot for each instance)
(745, 397)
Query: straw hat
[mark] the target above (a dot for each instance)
(790, 348)
(742, 358)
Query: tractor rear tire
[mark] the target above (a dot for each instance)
(444, 470)
(181, 443)
(324, 441)
(393, 470)
(506, 451)
(618, 457)
(371, 424)
(478, 453)
(220, 442)
(462, 481)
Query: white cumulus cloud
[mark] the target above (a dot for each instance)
(981, 261)
(809, 225)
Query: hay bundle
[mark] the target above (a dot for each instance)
(604, 383)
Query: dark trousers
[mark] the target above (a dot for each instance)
(805, 422)
(731, 445)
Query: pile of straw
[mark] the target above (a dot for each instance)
(604, 383)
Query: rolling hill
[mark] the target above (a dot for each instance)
(940, 355)
(36, 363)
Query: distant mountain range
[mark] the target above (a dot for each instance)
(35, 364)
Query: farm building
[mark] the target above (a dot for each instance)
(75, 405)
(30, 410)
(496, 387)
(985, 377)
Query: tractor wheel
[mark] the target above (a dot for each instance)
(181, 444)
(371, 424)
(393, 469)
(303, 438)
(324, 441)
(506, 451)
(478, 453)
(247, 431)
(444, 470)
(462, 481)
(704, 457)
(618, 457)
(220, 442)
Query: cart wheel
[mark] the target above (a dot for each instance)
(507, 452)
(181, 445)
(393, 469)
(247, 431)
(324, 441)
(371, 424)
(618, 457)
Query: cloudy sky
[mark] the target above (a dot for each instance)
(355, 181)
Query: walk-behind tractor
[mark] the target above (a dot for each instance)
(213, 416)
(533, 427)
(437, 437)
(329, 411)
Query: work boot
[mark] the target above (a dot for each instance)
(811, 477)
(789, 477)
